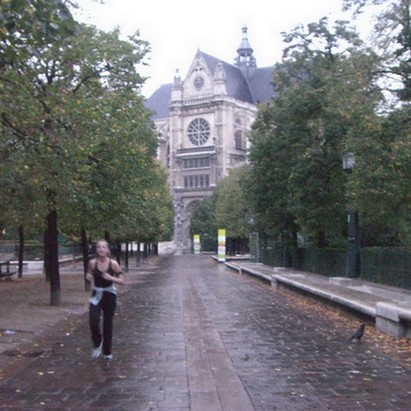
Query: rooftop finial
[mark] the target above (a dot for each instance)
(245, 56)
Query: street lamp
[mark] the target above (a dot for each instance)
(348, 162)
(353, 253)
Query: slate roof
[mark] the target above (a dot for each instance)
(261, 84)
(252, 85)
(159, 102)
(237, 85)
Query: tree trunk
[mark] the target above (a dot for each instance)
(321, 240)
(118, 251)
(52, 267)
(126, 257)
(46, 256)
(21, 251)
(107, 236)
(138, 254)
(85, 252)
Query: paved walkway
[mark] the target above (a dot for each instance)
(389, 308)
(193, 335)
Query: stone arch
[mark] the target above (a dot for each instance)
(189, 209)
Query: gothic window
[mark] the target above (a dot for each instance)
(238, 136)
(198, 131)
(196, 162)
(168, 155)
(197, 181)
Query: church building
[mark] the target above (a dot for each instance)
(203, 122)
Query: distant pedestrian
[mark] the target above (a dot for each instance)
(105, 273)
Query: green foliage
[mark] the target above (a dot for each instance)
(392, 40)
(325, 89)
(232, 207)
(153, 218)
(402, 14)
(271, 160)
(327, 103)
(74, 125)
(26, 25)
(381, 182)
(203, 220)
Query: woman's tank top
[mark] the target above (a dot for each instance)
(98, 280)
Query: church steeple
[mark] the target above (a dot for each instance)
(245, 56)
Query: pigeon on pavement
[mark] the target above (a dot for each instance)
(358, 334)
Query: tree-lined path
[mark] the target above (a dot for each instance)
(192, 335)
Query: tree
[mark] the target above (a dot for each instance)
(61, 111)
(25, 28)
(392, 39)
(232, 208)
(150, 214)
(325, 91)
(380, 183)
(271, 165)
(27, 24)
(203, 223)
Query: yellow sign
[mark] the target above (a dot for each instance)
(197, 245)
(221, 244)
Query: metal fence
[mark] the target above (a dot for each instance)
(34, 251)
(325, 261)
(390, 266)
(383, 265)
(255, 247)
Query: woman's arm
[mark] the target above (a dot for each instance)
(90, 268)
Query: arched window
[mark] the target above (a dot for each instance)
(239, 143)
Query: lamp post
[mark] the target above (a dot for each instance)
(353, 254)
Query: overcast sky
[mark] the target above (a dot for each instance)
(176, 29)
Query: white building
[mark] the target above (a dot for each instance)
(203, 122)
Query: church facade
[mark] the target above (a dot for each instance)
(203, 122)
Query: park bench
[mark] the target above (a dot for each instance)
(5, 271)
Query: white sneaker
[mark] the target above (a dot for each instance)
(96, 351)
(108, 357)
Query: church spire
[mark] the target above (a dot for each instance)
(245, 56)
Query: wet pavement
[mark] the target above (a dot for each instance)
(193, 335)
(386, 307)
